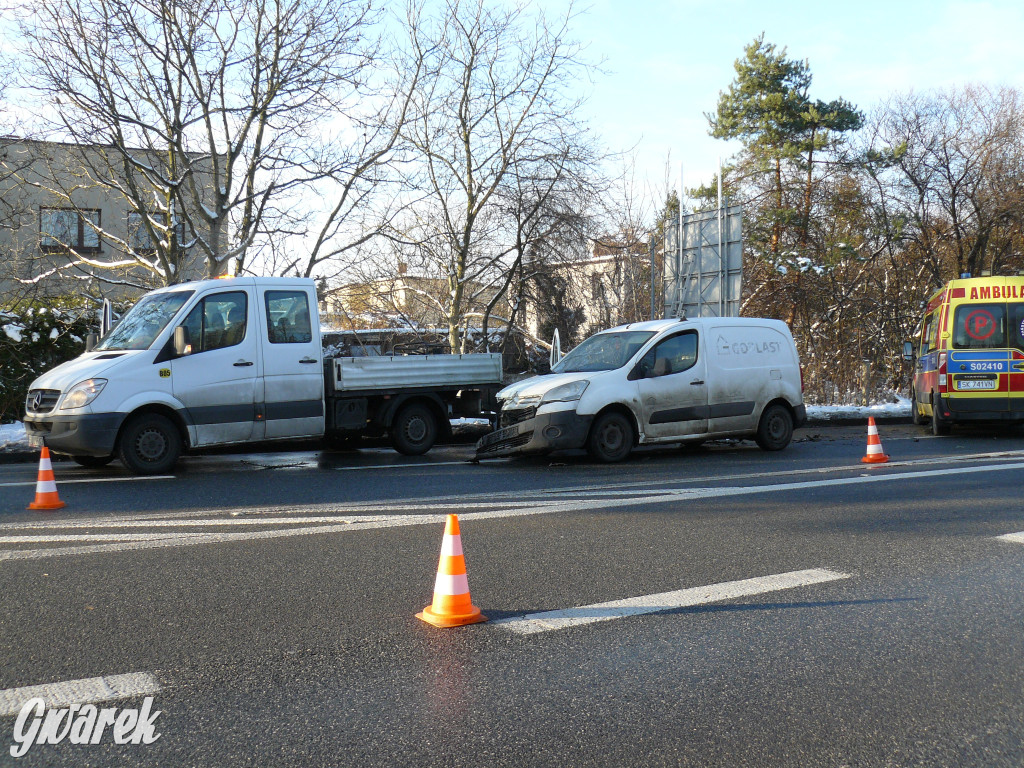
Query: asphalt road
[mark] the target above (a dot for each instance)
(808, 610)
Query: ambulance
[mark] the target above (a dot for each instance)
(968, 355)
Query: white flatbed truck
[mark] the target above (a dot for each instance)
(240, 360)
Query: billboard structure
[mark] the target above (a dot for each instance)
(704, 266)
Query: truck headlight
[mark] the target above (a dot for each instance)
(566, 392)
(83, 393)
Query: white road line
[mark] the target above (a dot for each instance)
(634, 606)
(139, 479)
(1016, 538)
(568, 505)
(858, 467)
(55, 538)
(251, 518)
(87, 691)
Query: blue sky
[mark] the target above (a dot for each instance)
(667, 61)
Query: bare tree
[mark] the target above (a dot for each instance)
(957, 187)
(494, 95)
(207, 117)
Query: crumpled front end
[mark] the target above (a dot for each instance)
(529, 430)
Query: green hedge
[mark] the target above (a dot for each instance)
(32, 342)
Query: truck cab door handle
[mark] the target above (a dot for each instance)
(307, 360)
(696, 382)
(242, 363)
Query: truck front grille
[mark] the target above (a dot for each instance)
(41, 400)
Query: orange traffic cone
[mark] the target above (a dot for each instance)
(46, 486)
(874, 454)
(452, 606)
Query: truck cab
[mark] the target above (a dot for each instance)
(205, 363)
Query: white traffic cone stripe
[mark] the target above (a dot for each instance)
(451, 546)
(456, 584)
(46, 486)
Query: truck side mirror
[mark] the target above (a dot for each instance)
(90, 341)
(182, 343)
(908, 351)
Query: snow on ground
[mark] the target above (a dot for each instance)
(13, 438)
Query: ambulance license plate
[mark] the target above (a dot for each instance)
(976, 384)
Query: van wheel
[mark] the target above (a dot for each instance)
(150, 444)
(611, 438)
(92, 462)
(775, 429)
(940, 427)
(414, 430)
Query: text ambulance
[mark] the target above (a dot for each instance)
(969, 354)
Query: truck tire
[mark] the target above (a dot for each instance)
(775, 429)
(414, 430)
(150, 444)
(92, 462)
(611, 438)
(940, 427)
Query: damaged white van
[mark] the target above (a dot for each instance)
(664, 381)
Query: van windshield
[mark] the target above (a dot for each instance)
(989, 326)
(139, 328)
(603, 352)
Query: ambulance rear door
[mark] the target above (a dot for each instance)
(986, 355)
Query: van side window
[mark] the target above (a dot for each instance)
(217, 321)
(979, 326)
(288, 319)
(926, 335)
(672, 355)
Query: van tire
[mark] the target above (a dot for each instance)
(611, 438)
(775, 430)
(940, 427)
(414, 430)
(150, 444)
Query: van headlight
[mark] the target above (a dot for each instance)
(566, 392)
(83, 393)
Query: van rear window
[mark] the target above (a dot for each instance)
(988, 326)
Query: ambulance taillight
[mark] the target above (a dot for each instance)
(942, 373)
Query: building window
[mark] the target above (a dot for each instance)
(61, 229)
(138, 236)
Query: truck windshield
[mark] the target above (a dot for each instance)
(603, 352)
(143, 323)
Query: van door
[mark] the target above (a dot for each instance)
(217, 381)
(293, 377)
(979, 361)
(672, 387)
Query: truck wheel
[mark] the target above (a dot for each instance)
(611, 438)
(150, 444)
(414, 430)
(940, 427)
(92, 462)
(775, 429)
